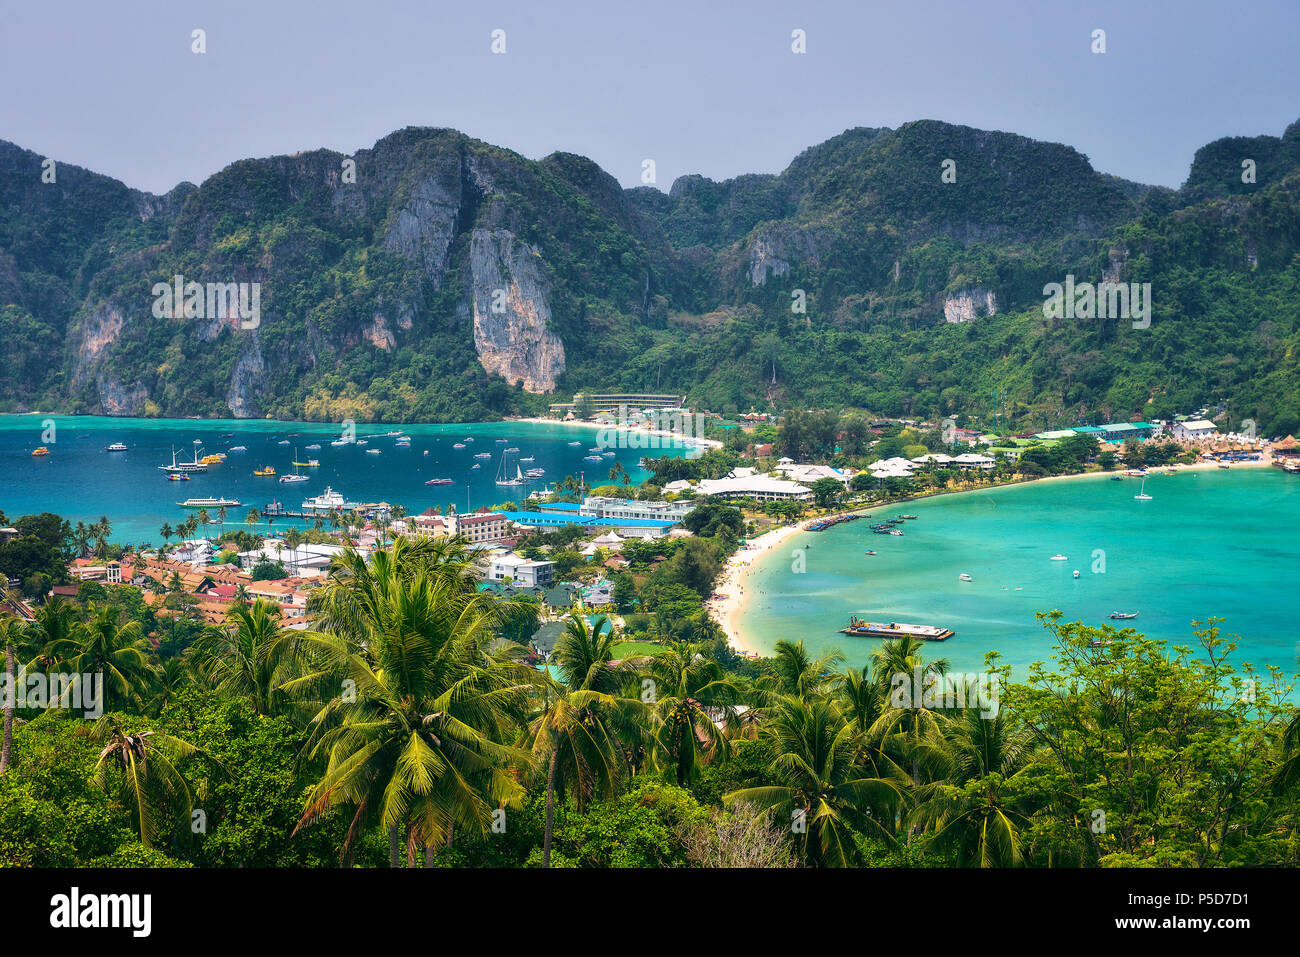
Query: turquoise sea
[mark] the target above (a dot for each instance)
(81, 481)
(1209, 543)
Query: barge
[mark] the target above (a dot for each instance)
(861, 628)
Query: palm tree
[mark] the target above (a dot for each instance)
(221, 515)
(819, 784)
(583, 726)
(173, 676)
(166, 533)
(292, 539)
(690, 690)
(252, 518)
(902, 674)
(115, 650)
(413, 739)
(15, 634)
(798, 673)
(250, 658)
(140, 768)
(969, 809)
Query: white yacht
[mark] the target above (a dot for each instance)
(291, 478)
(116, 447)
(194, 466)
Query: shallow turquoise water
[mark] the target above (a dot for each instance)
(81, 481)
(1209, 543)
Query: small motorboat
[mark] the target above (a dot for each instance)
(575, 445)
(1076, 573)
(372, 452)
(314, 447)
(1123, 615)
(440, 481)
(264, 470)
(1059, 558)
(42, 450)
(291, 478)
(868, 552)
(512, 449)
(459, 445)
(963, 577)
(281, 442)
(242, 448)
(177, 477)
(476, 465)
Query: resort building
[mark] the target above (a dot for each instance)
(599, 402)
(1196, 430)
(971, 460)
(627, 527)
(481, 526)
(807, 474)
(305, 561)
(521, 570)
(758, 487)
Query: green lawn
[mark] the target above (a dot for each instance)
(633, 649)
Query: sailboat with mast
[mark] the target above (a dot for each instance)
(1142, 496)
(503, 475)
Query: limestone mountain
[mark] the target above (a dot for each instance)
(436, 277)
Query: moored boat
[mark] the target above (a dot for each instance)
(861, 628)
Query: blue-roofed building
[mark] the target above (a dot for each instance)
(627, 527)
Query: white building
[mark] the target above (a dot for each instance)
(758, 487)
(1194, 431)
(597, 506)
(521, 570)
(306, 561)
(971, 460)
(807, 474)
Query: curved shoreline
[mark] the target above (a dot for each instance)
(729, 607)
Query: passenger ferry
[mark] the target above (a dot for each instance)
(210, 503)
(861, 628)
(116, 447)
(328, 500)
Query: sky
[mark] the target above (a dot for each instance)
(697, 87)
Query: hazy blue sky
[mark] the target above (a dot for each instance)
(700, 87)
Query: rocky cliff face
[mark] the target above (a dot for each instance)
(968, 304)
(509, 291)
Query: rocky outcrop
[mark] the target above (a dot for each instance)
(422, 230)
(116, 399)
(774, 250)
(509, 303)
(247, 381)
(967, 304)
(99, 329)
